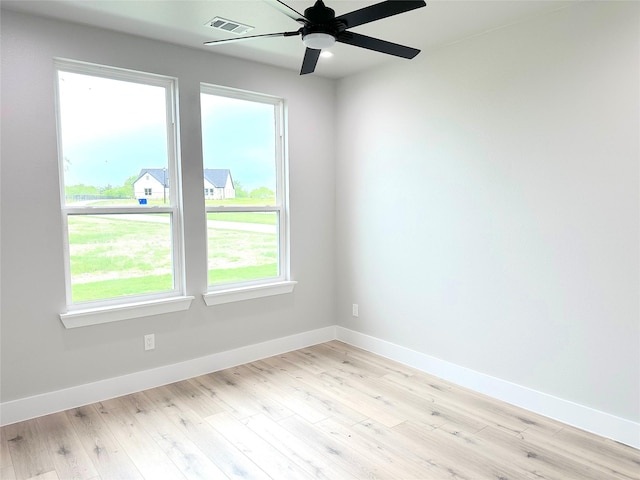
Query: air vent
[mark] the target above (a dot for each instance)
(225, 25)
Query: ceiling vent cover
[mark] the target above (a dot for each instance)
(225, 25)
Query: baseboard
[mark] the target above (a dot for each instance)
(51, 402)
(585, 418)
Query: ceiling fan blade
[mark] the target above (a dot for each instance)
(359, 40)
(379, 11)
(287, 10)
(311, 56)
(250, 37)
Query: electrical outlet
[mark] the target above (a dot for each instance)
(354, 310)
(149, 341)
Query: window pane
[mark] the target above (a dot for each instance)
(114, 141)
(239, 147)
(242, 246)
(117, 255)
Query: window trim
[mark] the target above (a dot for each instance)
(238, 291)
(125, 311)
(133, 306)
(248, 292)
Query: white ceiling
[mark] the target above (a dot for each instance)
(183, 22)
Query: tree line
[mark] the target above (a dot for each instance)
(126, 190)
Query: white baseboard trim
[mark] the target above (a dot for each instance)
(585, 418)
(57, 401)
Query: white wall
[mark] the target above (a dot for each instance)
(488, 204)
(38, 354)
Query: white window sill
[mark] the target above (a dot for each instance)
(248, 293)
(95, 316)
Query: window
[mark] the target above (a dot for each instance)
(245, 190)
(117, 143)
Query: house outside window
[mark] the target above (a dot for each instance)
(153, 184)
(118, 250)
(243, 137)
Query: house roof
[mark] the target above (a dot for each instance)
(160, 174)
(217, 176)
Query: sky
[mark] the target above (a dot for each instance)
(239, 135)
(112, 129)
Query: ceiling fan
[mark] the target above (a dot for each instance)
(321, 29)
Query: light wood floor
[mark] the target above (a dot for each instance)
(331, 412)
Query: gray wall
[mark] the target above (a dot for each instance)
(38, 354)
(487, 204)
(486, 207)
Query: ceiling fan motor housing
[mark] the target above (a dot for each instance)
(321, 19)
(319, 13)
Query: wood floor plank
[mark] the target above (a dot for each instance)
(302, 362)
(458, 401)
(336, 388)
(594, 452)
(541, 458)
(50, 476)
(187, 457)
(286, 363)
(299, 452)
(327, 412)
(234, 396)
(309, 402)
(389, 366)
(145, 453)
(440, 408)
(460, 461)
(335, 451)
(247, 385)
(272, 385)
(274, 463)
(398, 463)
(195, 398)
(7, 473)
(5, 456)
(28, 449)
(231, 461)
(69, 456)
(423, 409)
(108, 456)
(595, 444)
(350, 409)
(343, 361)
(372, 405)
(407, 446)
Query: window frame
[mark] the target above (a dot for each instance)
(137, 305)
(243, 290)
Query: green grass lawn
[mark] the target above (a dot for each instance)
(242, 274)
(112, 257)
(120, 287)
(263, 218)
(244, 201)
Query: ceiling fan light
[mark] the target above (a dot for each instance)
(318, 41)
